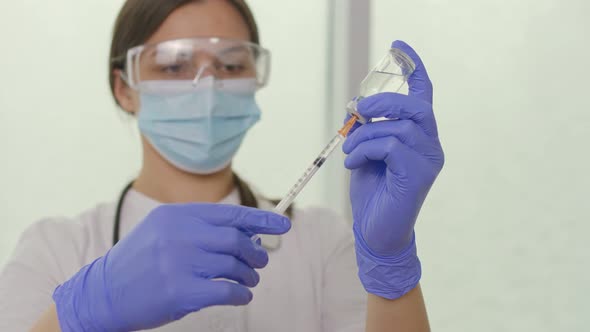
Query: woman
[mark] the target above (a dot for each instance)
(166, 257)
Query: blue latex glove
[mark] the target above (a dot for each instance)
(394, 164)
(162, 270)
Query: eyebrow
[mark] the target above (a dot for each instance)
(237, 48)
(152, 52)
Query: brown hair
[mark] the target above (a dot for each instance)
(138, 20)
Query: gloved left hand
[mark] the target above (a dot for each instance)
(394, 164)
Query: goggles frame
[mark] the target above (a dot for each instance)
(131, 67)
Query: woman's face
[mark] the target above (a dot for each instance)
(209, 18)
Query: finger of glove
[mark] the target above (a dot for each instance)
(390, 150)
(207, 293)
(214, 266)
(405, 130)
(244, 218)
(419, 83)
(397, 106)
(231, 241)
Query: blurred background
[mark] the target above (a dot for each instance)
(503, 234)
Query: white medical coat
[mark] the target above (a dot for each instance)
(310, 283)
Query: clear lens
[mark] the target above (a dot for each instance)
(189, 59)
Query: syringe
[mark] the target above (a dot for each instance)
(312, 169)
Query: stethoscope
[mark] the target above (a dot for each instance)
(117, 223)
(271, 244)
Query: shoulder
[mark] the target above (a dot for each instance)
(325, 230)
(66, 243)
(48, 252)
(343, 299)
(320, 219)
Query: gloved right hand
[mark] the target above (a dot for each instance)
(163, 269)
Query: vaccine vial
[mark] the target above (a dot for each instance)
(389, 75)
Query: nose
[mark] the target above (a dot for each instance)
(205, 70)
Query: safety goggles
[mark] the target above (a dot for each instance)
(192, 59)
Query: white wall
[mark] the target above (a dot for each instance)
(65, 145)
(503, 235)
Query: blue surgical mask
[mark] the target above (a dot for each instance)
(199, 128)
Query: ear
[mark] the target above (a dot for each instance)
(126, 97)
